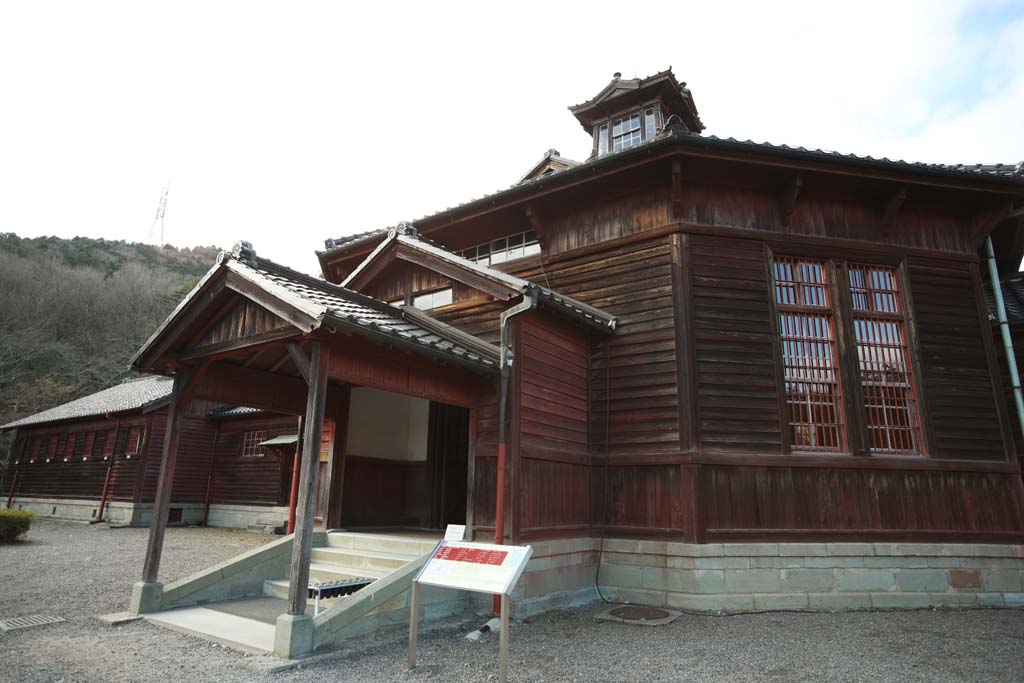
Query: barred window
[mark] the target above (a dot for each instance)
(894, 426)
(69, 447)
(251, 441)
(807, 339)
(37, 444)
(51, 450)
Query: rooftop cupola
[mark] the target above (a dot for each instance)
(631, 111)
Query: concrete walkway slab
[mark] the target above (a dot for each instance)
(230, 630)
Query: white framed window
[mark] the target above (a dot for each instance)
(626, 132)
(503, 249)
(435, 299)
(251, 441)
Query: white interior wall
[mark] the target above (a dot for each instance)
(386, 425)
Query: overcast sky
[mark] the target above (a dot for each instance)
(286, 123)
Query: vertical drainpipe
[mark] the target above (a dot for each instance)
(528, 303)
(209, 475)
(1004, 329)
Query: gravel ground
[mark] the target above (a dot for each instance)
(78, 572)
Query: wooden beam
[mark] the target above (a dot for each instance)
(302, 547)
(302, 320)
(237, 385)
(456, 272)
(239, 347)
(892, 208)
(300, 359)
(789, 196)
(154, 547)
(677, 188)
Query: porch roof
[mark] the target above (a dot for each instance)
(510, 285)
(322, 303)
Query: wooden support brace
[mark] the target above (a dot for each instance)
(185, 381)
(303, 544)
(300, 359)
(789, 197)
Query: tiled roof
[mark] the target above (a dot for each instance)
(131, 395)
(332, 245)
(334, 304)
(1005, 172)
(1013, 299)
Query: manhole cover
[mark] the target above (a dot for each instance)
(26, 622)
(639, 615)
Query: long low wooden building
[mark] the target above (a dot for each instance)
(698, 372)
(98, 459)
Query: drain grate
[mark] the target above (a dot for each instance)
(26, 622)
(639, 613)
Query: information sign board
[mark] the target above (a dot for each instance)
(479, 567)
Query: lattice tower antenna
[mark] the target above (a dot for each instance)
(159, 219)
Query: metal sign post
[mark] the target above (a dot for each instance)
(476, 567)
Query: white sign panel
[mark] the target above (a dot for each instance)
(480, 567)
(455, 532)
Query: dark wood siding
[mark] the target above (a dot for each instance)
(957, 382)
(553, 464)
(736, 376)
(239, 480)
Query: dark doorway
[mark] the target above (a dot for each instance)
(406, 463)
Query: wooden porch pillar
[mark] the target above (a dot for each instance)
(336, 470)
(314, 422)
(161, 506)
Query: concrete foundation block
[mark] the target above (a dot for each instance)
(1001, 580)
(896, 600)
(751, 549)
(802, 549)
(781, 601)
(864, 580)
(752, 581)
(839, 602)
(954, 599)
(1013, 599)
(293, 636)
(890, 562)
(991, 600)
(145, 597)
(941, 562)
(922, 580)
(850, 549)
(807, 580)
(834, 562)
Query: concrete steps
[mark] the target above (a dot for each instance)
(347, 555)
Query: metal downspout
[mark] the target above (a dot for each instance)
(1004, 329)
(528, 303)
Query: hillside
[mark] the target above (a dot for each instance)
(72, 312)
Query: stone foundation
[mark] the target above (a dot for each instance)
(254, 517)
(737, 577)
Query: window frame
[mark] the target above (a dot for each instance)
(604, 141)
(249, 444)
(855, 409)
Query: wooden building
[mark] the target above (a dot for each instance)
(684, 346)
(98, 458)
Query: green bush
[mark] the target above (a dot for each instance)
(13, 523)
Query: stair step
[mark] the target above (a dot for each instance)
(384, 543)
(321, 572)
(360, 559)
(278, 588)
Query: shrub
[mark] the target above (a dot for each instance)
(13, 523)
